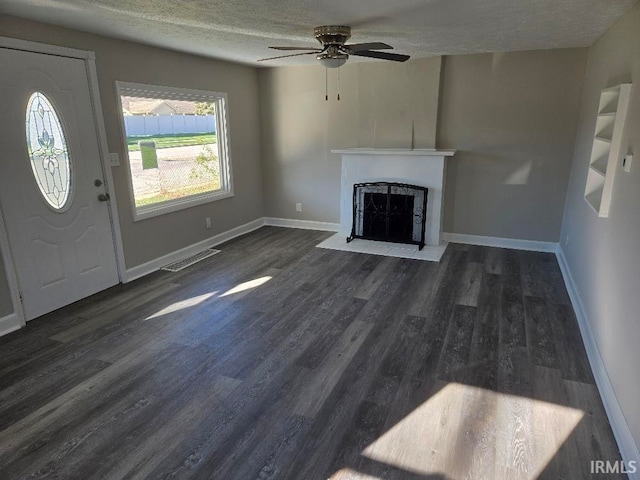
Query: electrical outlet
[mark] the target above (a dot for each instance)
(207, 222)
(298, 207)
(114, 159)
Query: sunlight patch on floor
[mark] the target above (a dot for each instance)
(182, 304)
(250, 285)
(463, 431)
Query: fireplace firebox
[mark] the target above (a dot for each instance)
(389, 212)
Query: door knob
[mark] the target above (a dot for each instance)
(103, 197)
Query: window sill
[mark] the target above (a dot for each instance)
(155, 210)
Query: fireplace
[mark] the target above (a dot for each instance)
(389, 212)
(421, 169)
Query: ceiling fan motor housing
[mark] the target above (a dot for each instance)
(332, 34)
(332, 38)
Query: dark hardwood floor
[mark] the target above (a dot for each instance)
(278, 360)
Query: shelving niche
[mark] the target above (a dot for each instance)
(607, 147)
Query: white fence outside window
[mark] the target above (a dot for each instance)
(169, 124)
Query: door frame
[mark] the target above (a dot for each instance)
(89, 59)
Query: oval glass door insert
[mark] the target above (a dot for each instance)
(48, 151)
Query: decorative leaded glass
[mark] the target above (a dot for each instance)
(48, 151)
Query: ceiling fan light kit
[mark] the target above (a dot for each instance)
(332, 58)
(332, 62)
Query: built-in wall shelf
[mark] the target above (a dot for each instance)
(607, 147)
(602, 139)
(599, 170)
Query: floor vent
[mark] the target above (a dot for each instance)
(187, 262)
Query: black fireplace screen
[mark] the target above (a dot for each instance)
(389, 212)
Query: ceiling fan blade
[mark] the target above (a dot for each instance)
(285, 56)
(297, 48)
(383, 55)
(358, 47)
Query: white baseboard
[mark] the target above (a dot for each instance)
(626, 443)
(156, 264)
(10, 323)
(514, 243)
(305, 224)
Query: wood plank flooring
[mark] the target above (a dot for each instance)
(278, 360)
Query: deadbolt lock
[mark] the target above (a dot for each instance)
(97, 182)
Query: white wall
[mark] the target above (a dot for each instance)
(383, 104)
(513, 118)
(131, 62)
(603, 254)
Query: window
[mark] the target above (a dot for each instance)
(178, 147)
(48, 151)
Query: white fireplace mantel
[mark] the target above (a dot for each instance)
(422, 167)
(415, 152)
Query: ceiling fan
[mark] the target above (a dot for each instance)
(334, 53)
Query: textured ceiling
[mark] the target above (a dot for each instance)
(241, 30)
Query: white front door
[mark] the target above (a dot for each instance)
(51, 177)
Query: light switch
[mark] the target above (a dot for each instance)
(626, 162)
(114, 159)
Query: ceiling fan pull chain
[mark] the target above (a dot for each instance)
(326, 85)
(338, 84)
